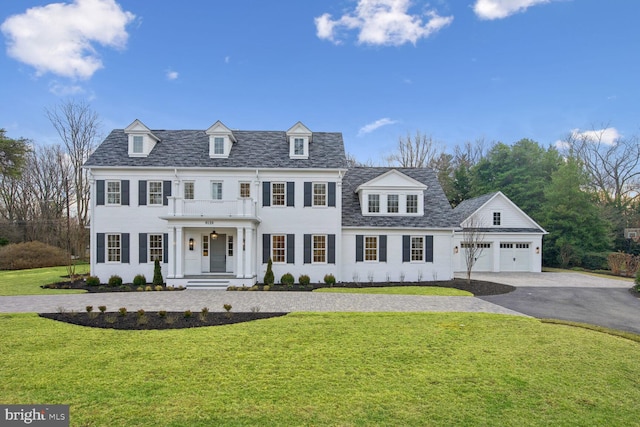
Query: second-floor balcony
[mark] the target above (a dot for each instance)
(240, 208)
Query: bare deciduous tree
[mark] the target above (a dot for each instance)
(613, 166)
(472, 244)
(78, 127)
(416, 151)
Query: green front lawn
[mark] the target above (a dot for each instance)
(401, 290)
(28, 282)
(347, 369)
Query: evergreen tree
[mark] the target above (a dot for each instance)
(157, 273)
(575, 223)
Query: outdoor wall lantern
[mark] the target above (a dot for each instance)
(537, 249)
(455, 250)
(213, 235)
(191, 244)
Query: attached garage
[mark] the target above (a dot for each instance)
(515, 256)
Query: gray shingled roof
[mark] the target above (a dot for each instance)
(437, 211)
(469, 206)
(190, 148)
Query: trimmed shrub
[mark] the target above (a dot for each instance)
(287, 279)
(115, 280)
(269, 279)
(329, 279)
(122, 311)
(19, 256)
(93, 281)
(304, 280)
(139, 280)
(595, 260)
(102, 308)
(157, 273)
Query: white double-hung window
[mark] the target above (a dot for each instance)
(113, 192)
(155, 192)
(216, 190)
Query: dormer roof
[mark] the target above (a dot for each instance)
(137, 127)
(218, 128)
(392, 180)
(300, 130)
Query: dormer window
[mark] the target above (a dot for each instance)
(138, 144)
(218, 145)
(141, 140)
(392, 194)
(299, 139)
(220, 140)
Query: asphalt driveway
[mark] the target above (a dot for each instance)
(569, 296)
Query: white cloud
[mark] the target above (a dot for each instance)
(172, 75)
(227, 59)
(382, 22)
(498, 9)
(375, 125)
(607, 136)
(63, 90)
(60, 38)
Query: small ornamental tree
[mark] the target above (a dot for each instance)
(269, 278)
(157, 273)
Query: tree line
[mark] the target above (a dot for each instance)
(44, 192)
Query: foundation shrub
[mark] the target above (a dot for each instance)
(93, 281)
(304, 280)
(287, 279)
(139, 280)
(269, 278)
(329, 279)
(19, 256)
(115, 280)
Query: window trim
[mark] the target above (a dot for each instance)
(107, 192)
(325, 195)
(284, 194)
(397, 203)
(152, 257)
(283, 248)
(316, 249)
(216, 183)
(192, 184)
(417, 204)
(370, 205)
(376, 248)
(248, 184)
(150, 193)
(108, 248)
(414, 250)
(497, 218)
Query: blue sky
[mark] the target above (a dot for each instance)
(374, 70)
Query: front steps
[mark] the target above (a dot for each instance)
(218, 282)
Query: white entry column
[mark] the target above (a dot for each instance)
(179, 246)
(248, 253)
(171, 268)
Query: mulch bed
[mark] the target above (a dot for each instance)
(476, 287)
(152, 320)
(81, 284)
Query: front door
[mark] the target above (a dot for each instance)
(218, 254)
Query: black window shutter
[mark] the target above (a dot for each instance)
(166, 192)
(332, 194)
(291, 194)
(359, 248)
(429, 249)
(124, 237)
(331, 249)
(100, 248)
(266, 248)
(124, 189)
(307, 194)
(165, 248)
(307, 248)
(382, 253)
(142, 248)
(291, 249)
(406, 248)
(142, 193)
(266, 193)
(100, 192)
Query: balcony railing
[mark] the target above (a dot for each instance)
(212, 208)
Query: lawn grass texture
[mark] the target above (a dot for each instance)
(347, 369)
(28, 282)
(401, 290)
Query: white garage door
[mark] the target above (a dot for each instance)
(515, 257)
(484, 257)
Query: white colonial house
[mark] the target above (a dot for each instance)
(215, 205)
